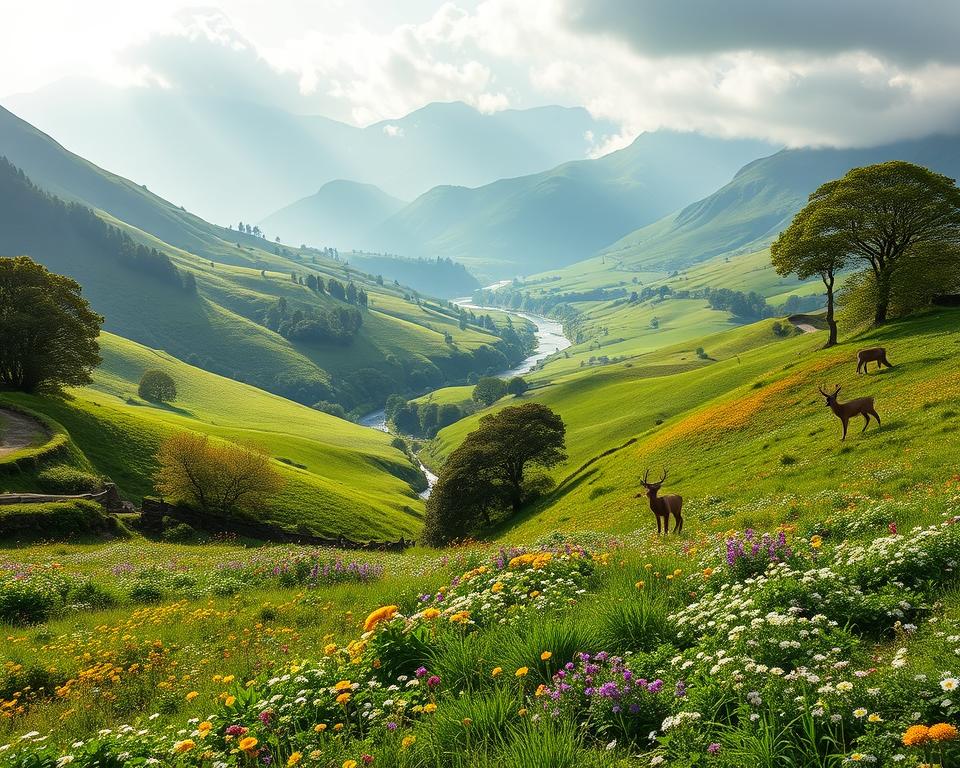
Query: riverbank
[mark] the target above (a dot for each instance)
(550, 340)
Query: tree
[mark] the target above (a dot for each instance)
(157, 386)
(216, 476)
(884, 215)
(49, 337)
(488, 390)
(488, 470)
(803, 250)
(517, 386)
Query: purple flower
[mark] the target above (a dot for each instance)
(680, 691)
(391, 726)
(433, 681)
(713, 748)
(421, 672)
(655, 686)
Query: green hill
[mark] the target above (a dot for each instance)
(340, 214)
(529, 223)
(746, 430)
(340, 478)
(760, 201)
(403, 344)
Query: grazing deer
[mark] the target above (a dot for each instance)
(862, 406)
(876, 355)
(662, 506)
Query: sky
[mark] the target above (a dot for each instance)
(817, 72)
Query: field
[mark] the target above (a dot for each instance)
(340, 478)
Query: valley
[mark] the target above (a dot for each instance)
(350, 363)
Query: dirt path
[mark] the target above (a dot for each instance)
(18, 432)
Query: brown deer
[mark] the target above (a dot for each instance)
(862, 406)
(662, 506)
(876, 355)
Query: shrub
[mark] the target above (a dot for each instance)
(65, 479)
(157, 386)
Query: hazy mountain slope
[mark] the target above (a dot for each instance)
(341, 214)
(526, 224)
(760, 201)
(222, 324)
(230, 159)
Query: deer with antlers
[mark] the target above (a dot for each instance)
(862, 406)
(662, 506)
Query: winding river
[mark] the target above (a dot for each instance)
(550, 339)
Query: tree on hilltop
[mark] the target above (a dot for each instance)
(49, 336)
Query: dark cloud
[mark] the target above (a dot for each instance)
(907, 31)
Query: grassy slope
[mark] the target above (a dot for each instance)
(354, 482)
(748, 430)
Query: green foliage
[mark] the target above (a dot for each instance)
(487, 471)
(488, 390)
(62, 478)
(517, 386)
(49, 331)
(157, 386)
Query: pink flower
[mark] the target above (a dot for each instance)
(236, 730)
(892, 528)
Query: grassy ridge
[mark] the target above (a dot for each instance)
(748, 428)
(350, 479)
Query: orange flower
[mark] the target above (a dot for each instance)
(942, 732)
(431, 613)
(184, 746)
(343, 698)
(916, 735)
(248, 744)
(545, 656)
(385, 613)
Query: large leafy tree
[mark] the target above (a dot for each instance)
(48, 333)
(488, 470)
(884, 215)
(803, 251)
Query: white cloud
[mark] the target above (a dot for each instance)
(394, 131)
(758, 69)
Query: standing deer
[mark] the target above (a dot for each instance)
(876, 355)
(662, 506)
(862, 406)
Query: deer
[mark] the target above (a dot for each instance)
(862, 406)
(662, 506)
(876, 355)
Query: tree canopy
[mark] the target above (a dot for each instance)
(49, 337)
(487, 471)
(157, 386)
(488, 390)
(883, 216)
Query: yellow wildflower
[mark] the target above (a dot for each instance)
(384, 613)
(294, 758)
(522, 672)
(184, 746)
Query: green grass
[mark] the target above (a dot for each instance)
(353, 482)
(748, 430)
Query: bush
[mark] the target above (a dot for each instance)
(517, 386)
(488, 390)
(61, 478)
(157, 386)
(179, 533)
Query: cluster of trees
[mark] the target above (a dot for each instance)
(338, 325)
(35, 222)
(898, 222)
(215, 476)
(489, 389)
(49, 336)
(749, 306)
(486, 478)
(436, 277)
(421, 419)
(254, 230)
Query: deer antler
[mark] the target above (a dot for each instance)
(836, 391)
(820, 387)
(646, 474)
(663, 479)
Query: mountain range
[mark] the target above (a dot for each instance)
(232, 159)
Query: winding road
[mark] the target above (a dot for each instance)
(18, 431)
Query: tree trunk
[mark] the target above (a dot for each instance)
(883, 297)
(831, 321)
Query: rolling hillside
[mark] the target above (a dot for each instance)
(526, 224)
(340, 478)
(760, 201)
(223, 324)
(746, 433)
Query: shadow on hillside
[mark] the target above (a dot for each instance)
(163, 407)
